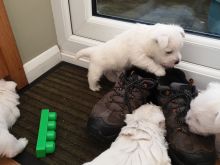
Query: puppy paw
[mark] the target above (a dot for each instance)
(23, 142)
(17, 147)
(95, 88)
(160, 72)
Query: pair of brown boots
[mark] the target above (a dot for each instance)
(173, 93)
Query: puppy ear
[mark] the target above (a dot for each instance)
(181, 30)
(217, 118)
(162, 41)
(182, 34)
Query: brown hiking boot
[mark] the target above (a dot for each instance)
(185, 148)
(133, 89)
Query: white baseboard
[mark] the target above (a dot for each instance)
(202, 75)
(42, 63)
(83, 62)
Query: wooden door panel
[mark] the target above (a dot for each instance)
(3, 68)
(9, 50)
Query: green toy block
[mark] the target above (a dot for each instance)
(46, 134)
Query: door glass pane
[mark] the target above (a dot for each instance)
(198, 16)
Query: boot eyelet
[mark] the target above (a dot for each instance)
(167, 92)
(145, 85)
(191, 82)
(174, 110)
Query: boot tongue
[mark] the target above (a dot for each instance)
(191, 89)
(175, 86)
(179, 86)
(140, 73)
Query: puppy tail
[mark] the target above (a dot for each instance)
(84, 52)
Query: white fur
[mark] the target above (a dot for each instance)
(9, 145)
(204, 115)
(140, 142)
(143, 46)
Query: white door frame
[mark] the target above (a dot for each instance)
(79, 29)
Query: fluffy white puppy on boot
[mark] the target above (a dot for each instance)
(140, 142)
(204, 115)
(9, 145)
(151, 48)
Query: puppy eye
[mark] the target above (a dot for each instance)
(169, 52)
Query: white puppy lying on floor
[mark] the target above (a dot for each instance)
(9, 145)
(148, 47)
(204, 115)
(140, 142)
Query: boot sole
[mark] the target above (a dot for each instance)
(98, 136)
(177, 161)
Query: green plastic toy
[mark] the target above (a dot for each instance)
(46, 134)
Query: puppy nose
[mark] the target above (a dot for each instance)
(177, 62)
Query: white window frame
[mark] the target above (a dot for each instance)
(79, 29)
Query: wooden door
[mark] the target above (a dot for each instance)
(3, 68)
(10, 62)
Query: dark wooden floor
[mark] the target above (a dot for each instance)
(65, 90)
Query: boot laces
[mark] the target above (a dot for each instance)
(129, 84)
(181, 108)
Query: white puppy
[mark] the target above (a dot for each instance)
(204, 115)
(9, 145)
(150, 48)
(140, 142)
